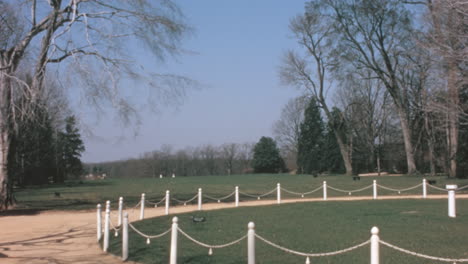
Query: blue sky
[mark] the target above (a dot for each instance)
(238, 47)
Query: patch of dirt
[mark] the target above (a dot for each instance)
(67, 237)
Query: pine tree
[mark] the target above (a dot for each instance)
(311, 138)
(266, 157)
(70, 147)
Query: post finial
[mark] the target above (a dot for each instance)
(251, 225)
(374, 230)
(175, 220)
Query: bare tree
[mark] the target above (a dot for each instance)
(286, 130)
(377, 35)
(93, 40)
(229, 153)
(314, 32)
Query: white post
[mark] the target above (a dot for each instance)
(168, 199)
(200, 197)
(278, 193)
(324, 190)
(374, 247)
(142, 206)
(120, 211)
(160, 176)
(105, 245)
(251, 243)
(173, 254)
(125, 238)
(424, 188)
(173, 175)
(452, 212)
(237, 196)
(375, 189)
(99, 223)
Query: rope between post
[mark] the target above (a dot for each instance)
(157, 203)
(421, 255)
(348, 191)
(333, 253)
(149, 236)
(221, 198)
(211, 246)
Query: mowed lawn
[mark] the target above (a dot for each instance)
(86, 194)
(418, 225)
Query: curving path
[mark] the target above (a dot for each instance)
(66, 237)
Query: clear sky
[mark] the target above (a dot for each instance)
(238, 46)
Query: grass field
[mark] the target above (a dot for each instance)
(87, 194)
(417, 225)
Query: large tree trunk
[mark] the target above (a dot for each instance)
(345, 154)
(6, 195)
(407, 140)
(453, 103)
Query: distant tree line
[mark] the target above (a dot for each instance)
(226, 159)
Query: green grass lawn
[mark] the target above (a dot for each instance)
(87, 194)
(418, 225)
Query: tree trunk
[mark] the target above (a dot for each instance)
(6, 195)
(453, 103)
(345, 154)
(407, 140)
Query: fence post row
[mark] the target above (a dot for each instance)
(99, 222)
(278, 193)
(374, 184)
(168, 199)
(237, 196)
(173, 253)
(250, 243)
(374, 246)
(142, 206)
(105, 245)
(200, 197)
(120, 211)
(424, 185)
(452, 212)
(324, 190)
(125, 237)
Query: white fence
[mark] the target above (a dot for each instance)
(124, 224)
(199, 196)
(374, 241)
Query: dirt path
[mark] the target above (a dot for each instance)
(70, 236)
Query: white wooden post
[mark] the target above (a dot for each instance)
(173, 175)
(99, 222)
(237, 196)
(125, 237)
(120, 211)
(375, 189)
(142, 206)
(278, 193)
(424, 188)
(105, 245)
(251, 243)
(374, 247)
(168, 199)
(324, 190)
(173, 254)
(160, 176)
(452, 212)
(200, 197)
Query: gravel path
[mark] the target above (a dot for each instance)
(70, 236)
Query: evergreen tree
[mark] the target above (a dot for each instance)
(311, 138)
(70, 147)
(266, 157)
